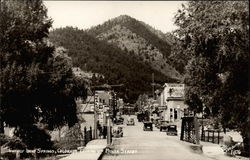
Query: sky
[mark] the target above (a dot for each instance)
(85, 14)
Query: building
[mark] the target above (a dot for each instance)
(101, 101)
(171, 101)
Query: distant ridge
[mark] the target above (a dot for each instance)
(116, 65)
(140, 39)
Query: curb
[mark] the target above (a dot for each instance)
(101, 155)
(103, 151)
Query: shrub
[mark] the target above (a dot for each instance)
(73, 139)
(4, 139)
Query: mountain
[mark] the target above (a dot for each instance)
(139, 39)
(116, 66)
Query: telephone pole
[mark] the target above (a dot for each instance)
(95, 117)
(153, 92)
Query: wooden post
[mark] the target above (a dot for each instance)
(218, 137)
(208, 135)
(85, 136)
(213, 137)
(108, 132)
(90, 129)
(196, 127)
(182, 128)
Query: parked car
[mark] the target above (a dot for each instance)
(117, 132)
(163, 125)
(142, 117)
(171, 130)
(157, 123)
(119, 121)
(130, 121)
(147, 126)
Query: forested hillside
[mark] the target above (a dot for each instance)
(140, 39)
(117, 66)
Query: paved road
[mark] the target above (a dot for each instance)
(148, 145)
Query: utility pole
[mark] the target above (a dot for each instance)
(95, 116)
(153, 92)
(108, 130)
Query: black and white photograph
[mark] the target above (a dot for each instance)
(124, 80)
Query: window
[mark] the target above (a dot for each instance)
(171, 110)
(175, 114)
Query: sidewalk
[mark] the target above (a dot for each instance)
(214, 151)
(93, 151)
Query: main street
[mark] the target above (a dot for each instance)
(151, 145)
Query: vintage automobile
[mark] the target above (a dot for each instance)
(119, 121)
(148, 126)
(171, 130)
(156, 120)
(130, 121)
(142, 117)
(117, 132)
(158, 123)
(163, 125)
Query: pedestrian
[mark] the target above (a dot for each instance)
(100, 131)
(104, 132)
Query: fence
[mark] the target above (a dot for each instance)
(213, 136)
(188, 130)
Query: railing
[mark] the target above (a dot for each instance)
(213, 136)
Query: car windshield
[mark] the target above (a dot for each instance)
(164, 122)
(147, 124)
(172, 127)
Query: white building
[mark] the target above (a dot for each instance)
(172, 99)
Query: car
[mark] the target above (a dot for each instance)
(119, 121)
(130, 121)
(147, 126)
(171, 130)
(117, 132)
(157, 123)
(163, 125)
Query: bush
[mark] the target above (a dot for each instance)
(15, 143)
(34, 137)
(12, 143)
(8, 156)
(73, 139)
(4, 139)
